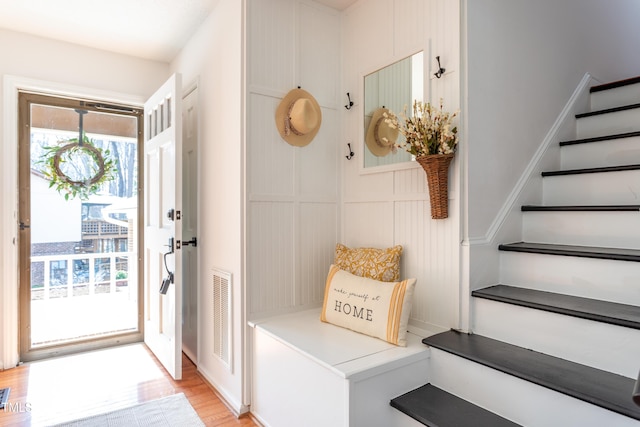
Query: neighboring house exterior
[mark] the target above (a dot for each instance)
(66, 227)
(271, 213)
(60, 226)
(56, 224)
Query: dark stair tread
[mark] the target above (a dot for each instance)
(583, 208)
(608, 110)
(615, 84)
(595, 386)
(618, 254)
(586, 308)
(621, 168)
(435, 407)
(599, 138)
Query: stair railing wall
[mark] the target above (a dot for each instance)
(507, 225)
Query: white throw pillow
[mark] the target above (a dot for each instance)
(371, 307)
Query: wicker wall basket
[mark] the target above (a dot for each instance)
(437, 168)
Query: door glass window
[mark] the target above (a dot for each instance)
(82, 208)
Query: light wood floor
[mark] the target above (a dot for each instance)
(63, 389)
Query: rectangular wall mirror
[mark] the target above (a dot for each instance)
(392, 87)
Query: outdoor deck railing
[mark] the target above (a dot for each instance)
(80, 274)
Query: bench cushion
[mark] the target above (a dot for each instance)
(375, 308)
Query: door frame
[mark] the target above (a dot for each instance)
(187, 90)
(27, 353)
(9, 248)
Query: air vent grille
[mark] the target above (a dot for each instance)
(222, 316)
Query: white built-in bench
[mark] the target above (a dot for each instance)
(306, 372)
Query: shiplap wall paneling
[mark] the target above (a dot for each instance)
(368, 46)
(318, 234)
(271, 254)
(270, 160)
(319, 63)
(435, 265)
(368, 224)
(387, 208)
(358, 187)
(416, 257)
(444, 24)
(271, 44)
(411, 26)
(292, 192)
(411, 183)
(318, 163)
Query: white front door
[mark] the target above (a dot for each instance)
(163, 228)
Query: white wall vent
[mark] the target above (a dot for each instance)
(221, 301)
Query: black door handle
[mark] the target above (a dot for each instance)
(192, 242)
(23, 225)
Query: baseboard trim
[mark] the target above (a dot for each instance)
(237, 410)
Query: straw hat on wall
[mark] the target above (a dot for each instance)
(298, 117)
(380, 137)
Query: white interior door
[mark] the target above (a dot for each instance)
(163, 228)
(190, 224)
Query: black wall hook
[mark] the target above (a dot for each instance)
(351, 153)
(441, 70)
(350, 104)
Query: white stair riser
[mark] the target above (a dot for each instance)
(592, 189)
(523, 402)
(608, 280)
(608, 124)
(615, 152)
(567, 337)
(400, 419)
(611, 98)
(608, 229)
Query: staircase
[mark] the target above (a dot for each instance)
(557, 341)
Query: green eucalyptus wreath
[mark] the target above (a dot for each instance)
(98, 167)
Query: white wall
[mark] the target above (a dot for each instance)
(524, 61)
(44, 59)
(213, 58)
(392, 207)
(44, 64)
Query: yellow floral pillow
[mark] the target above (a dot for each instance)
(376, 264)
